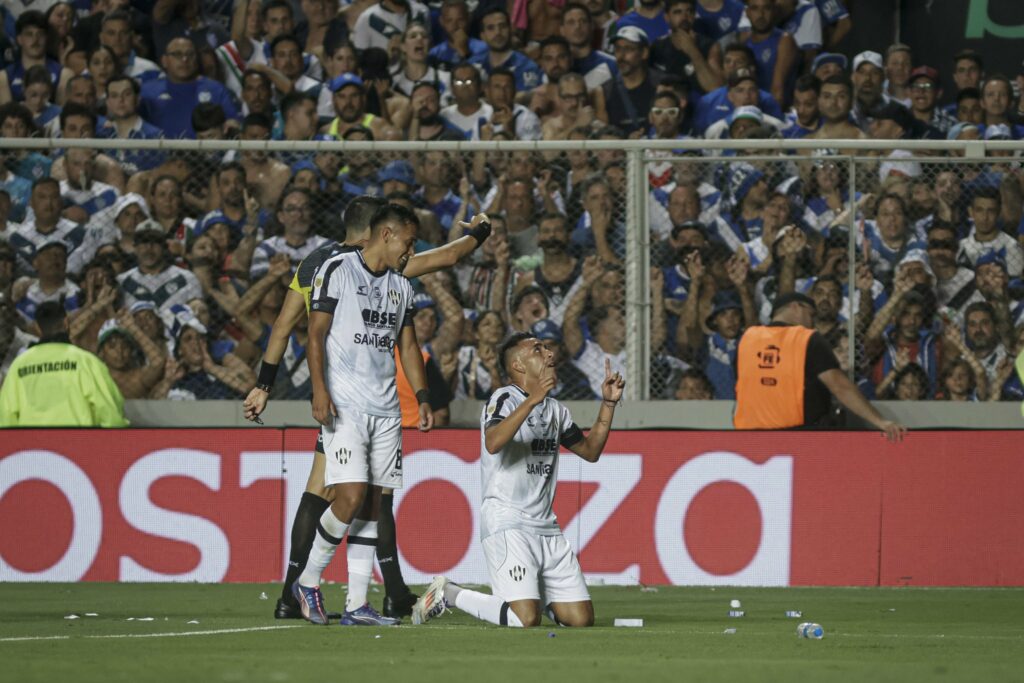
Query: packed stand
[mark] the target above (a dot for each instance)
(172, 266)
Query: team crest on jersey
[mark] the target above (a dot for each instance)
(319, 281)
(490, 410)
(394, 297)
(205, 96)
(766, 54)
(725, 23)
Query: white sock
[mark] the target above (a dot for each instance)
(329, 533)
(487, 607)
(362, 546)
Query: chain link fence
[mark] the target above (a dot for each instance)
(173, 258)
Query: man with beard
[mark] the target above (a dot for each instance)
(572, 109)
(868, 78)
(257, 94)
(834, 102)
(558, 275)
(496, 32)
(154, 279)
(805, 117)
(167, 101)
(427, 123)
(596, 67)
(230, 200)
(506, 114)
(50, 284)
(555, 61)
(350, 104)
(285, 69)
(684, 51)
(382, 21)
(827, 293)
(572, 384)
(627, 100)
(983, 341)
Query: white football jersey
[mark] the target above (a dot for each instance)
(519, 480)
(369, 309)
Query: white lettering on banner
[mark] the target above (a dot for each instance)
(472, 567)
(616, 475)
(258, 465)
(772, 487)
(86, 512)
(139, 511)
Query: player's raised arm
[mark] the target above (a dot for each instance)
(449, 254)
(592, 445)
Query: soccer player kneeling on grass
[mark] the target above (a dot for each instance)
(522, 429)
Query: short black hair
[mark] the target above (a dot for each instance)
(284, 38)
(839, 79)
(117, 79)
(968, 94)
(19, 111)
(257, 119)
(672, 3)
(50, 317)
(275, 4)
(971, 55)
(806, 83)
(555, 40)
(983, 306)
(986, 192)
(509, 344)
(75, 109)
(668, 95)
(38, 74)
(30, 19)
(503, 72)
(358, 129)
(292, 100)
(740, 47)
(48, 180)
(359, 213)
(494, 9)
(393, 212)
(229, 166)
(207, 116)
(117, 15)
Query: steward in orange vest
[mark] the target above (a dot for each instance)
(785, 372)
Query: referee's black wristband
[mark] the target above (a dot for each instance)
(481, 232)
(423, 396)
(268, 373)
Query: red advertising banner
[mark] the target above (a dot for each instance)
(687, 508)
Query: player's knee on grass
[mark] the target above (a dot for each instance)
(574, 614)
(528, 612)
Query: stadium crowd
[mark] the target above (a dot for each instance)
(172, 266)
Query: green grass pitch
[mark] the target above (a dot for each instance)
(901, 634)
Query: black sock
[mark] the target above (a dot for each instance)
(387, 549)
(311, 509)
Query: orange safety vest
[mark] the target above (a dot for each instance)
(770, 381)
(406, 397)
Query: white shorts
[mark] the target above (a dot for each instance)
(525, 566)
(361, 447)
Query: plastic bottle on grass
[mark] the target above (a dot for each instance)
(810, 630)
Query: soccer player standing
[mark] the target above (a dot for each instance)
(360, 309)
(521, 432)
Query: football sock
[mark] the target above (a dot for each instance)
(311, 508)
(362, 544)
(486, 607)
(387, 549)
(329, 533)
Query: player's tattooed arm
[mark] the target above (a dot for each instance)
(591, 446)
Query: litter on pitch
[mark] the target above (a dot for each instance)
(72, 616)
(630, 623)
(735, 604)
(263, 596)
(729, 632)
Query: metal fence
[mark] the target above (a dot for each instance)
(655, 254)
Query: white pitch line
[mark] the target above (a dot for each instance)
(179, 634)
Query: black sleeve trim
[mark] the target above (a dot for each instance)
(492, 422)
(571, 436)
(324, 305)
